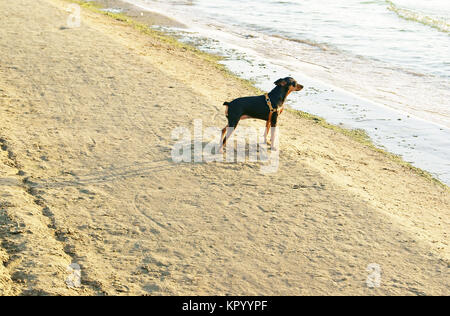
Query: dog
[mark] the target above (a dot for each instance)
(264, 107)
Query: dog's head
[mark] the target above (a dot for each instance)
(289, 83)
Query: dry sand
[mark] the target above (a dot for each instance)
(86, 177)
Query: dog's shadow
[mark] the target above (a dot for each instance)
(200, 153)
(210, 151)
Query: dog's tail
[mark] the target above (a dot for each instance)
(226, 103)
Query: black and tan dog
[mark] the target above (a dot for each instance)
(264, 107)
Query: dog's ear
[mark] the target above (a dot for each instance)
(280, 82)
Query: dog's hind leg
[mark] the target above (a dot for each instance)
(224, 130)
(229, 131)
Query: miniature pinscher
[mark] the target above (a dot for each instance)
(259, 107)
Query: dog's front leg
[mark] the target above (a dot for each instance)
(273, 139)
(266, 132)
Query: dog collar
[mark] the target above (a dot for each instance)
(269, 104)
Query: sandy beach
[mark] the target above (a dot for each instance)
(86, 177)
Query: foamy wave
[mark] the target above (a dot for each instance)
(435, 22)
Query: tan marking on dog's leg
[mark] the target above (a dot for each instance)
(224, 142)
(223, 139)
(265, 134)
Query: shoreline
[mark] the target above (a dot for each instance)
(90, 180)
(359, 135)
(418, 140)
(421, 142)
